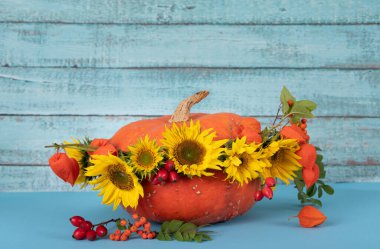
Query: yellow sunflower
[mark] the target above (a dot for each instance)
(243, 162)
(145, 156)
(116, 180)
(193, 151)
(283, 160)
(81, 157)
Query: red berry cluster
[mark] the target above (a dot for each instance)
(266, 190)
(123, 235)
(85, 229)
(167, 173)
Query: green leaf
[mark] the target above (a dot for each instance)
(320, 192)
(174, 226)
(120, 227)
(178, 236)
(198, 238)
(284, 97)
(205, 236)
(165, 226)
(163, 236)
(188, 226)
(299, 112)
(316, 202)
(310, 105)
(328, 189)
(311, 191)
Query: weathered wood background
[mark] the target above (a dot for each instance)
(76, 68)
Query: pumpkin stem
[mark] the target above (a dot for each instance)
(182, 113)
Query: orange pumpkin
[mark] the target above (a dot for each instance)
(200, 200)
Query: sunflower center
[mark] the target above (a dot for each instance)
(278, 157)
(189, 152)
(244, 158)
(120, 178)
(145, 158)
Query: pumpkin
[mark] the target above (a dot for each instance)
(201, 200)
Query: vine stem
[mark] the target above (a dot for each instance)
(106, 222)
(73, 146)
(278, 111)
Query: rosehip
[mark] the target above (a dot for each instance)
(156, 180)
(91, 235)
(304, 121)
(169, 165)
(79, 234)
(150, 236)
(290, 102)
(86, 225)
(173, 176)
(140, 232)
(135, 216)
(267, 192)
(76, 220)
(117, 232)
(163, 174)
(258, 195)
(127, 232)
(270, 182)
(101, 231)
(303, 126)
(144, 236)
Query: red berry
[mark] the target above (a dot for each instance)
(303, 126)
(270, 182)
(267, 192)
(101, 231)
(79, 234)
(290, 102)
(163, 174)
(169, 165)
(155, 180)
(86, 225)
(76, 220)
(91, 235)
(258, 195)
(173, 176)
(304, 121)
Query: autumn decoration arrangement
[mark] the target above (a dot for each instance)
(209, 167)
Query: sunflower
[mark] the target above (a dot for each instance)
(116, 180)
(283, 160)
(193, 151)
(243, 162)
(145, 156)
(81, 157)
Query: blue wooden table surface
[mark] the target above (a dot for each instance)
(40, 220)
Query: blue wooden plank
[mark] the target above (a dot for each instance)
(305, 46)
(157, 92)
(345, 141)
(194, 11)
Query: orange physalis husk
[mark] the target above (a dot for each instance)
(105, 150)
(308, 155)
(309, 217)
(98, 142)
(64, 167)
(294, 132)
(310, 175)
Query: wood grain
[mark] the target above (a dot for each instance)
(192, 11)
(345, 141)
(158, 91)
(131, 46)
